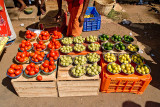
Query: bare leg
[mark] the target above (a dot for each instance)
(41, 9)
(23, 5)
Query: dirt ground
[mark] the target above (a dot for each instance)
(151, 96)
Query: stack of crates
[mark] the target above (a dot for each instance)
(121, 82)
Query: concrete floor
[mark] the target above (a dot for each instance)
(150, 98)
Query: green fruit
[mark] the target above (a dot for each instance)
(123, 47)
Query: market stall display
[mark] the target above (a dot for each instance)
(78, 70)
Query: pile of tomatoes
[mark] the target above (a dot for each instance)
(22, 56)
(44, 35)
(25, 45)
(53, 55)
(15, 70)
(57, 35)
(54, 44)
(37, 56)
(48, 66)
(32, 69)
(40, 46)
(30, 34)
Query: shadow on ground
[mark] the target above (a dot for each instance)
(133, 104)
(7, 83)
(149, 36)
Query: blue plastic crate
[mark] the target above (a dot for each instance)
(93, 23)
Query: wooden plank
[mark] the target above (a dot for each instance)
(38, 94)
(69, 94)
(78, 83)
(78, 88)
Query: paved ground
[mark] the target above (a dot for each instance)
(150, 98)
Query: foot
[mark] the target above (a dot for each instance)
(42, 12)
(23, 7)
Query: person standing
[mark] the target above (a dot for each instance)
(77, 9)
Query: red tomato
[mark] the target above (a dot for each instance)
(44, 38)
(32, 54)
(38, 46)
(39, 58)
(13, 66)
(36, 66)
(27, 43)
(12, 75)
(31, 73)
(21, 60)
(57, 47)
(24, 41)
(45, 65)
(39, 78)
(23, 55)
(35, 44)
(43, 47)
(50, 68)
(28, 32)
(37, 52)
(36, 70)
(18, 58)
(46, 70)
(17, 72)
(35, 56)
(11, 70)
(55, 57)
(17, 67)
(28, 54)
(46, 61)
(41, 42)
(42, 32)
(47, 55)
(42, 68)
(42, 54)
(28, 36)
(51, 58)
(32, 64)
(21, 67)
(26, 48)
(23, 45)
(26, 72)
(51, 62)
(32, 33)
(36, 60)
(54, 67)
(50, 45)
(28, 67)
(52, 54)
(19, 53)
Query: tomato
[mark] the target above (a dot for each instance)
(39, 78)
(43, 47)
(31, 73)
(23, 41)
(17, 72)
(46, 70)
(35, 56)
(12, 75)
(49, 45)
(13, 66)
(32, 54)
(21, 60)
(54, 67)
(23, 45)
(51, 62)
(28, 32)
(37, 52)
(35, 44)
(44, 38)
(42, 32)
(40, 42)
(19, 53)
(21, 67)
(32, 64)
(32, 33)
(23, 55)
(28, 54)
(46, 61)
(22, 49)
(27, 43)
(57, 47)
(36, 70)
(26, 48)
(28, 36)
(38, 46)
(55, 57)
(42, 54)
(26, 72)
(57, 53)
(51, 58)
(36, 66)
(52, 54)
(18, 58)
(42, 68)
(36, 60)
(11, 70)
(17, 67)
(50, 68)
(39, 58)
(45, 65)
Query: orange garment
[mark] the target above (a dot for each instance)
(73, 26)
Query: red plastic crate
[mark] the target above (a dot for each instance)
(121, 82)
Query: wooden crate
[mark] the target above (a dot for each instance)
(30, 87)
(70, 86)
